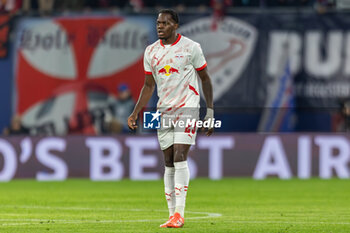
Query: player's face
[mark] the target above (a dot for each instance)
(166, 26)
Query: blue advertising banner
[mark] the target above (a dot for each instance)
(248, 55)
(247, 52)
(5, 70)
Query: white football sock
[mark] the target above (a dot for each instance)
(182, 179)
(169, 185)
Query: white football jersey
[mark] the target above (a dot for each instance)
(174, 70)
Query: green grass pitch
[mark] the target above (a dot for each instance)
(228, 205)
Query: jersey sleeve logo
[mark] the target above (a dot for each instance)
(168, 70)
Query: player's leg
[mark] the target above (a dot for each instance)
(183, 139)
(182, 178)
(165, 138)
(169, 182)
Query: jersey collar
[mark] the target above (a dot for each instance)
(177, 40)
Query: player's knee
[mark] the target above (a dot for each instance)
(179, 155)
(169, 162)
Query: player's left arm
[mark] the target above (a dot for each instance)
(208, 95)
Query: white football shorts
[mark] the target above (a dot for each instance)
(178, 129)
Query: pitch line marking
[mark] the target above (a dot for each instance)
(209, 215)
(297, 222)
(64, 221)
(26, 221)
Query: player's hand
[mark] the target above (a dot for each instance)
(209, 116)
(132, 121)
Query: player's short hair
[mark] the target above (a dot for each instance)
(172, 13)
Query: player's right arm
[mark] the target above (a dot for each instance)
(145, 95)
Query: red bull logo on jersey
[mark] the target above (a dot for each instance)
(168, 70)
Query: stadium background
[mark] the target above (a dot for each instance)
(277, 67)
(280, 162)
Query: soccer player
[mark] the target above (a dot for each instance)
(173, 63)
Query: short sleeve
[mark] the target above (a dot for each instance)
(146, 63)
(198, 59)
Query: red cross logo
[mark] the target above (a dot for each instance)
(34, 86)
